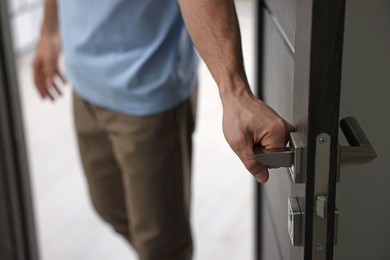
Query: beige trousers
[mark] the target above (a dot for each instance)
(138, 174)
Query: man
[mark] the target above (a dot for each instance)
(133, 69)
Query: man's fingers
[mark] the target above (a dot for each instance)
(278, 135)
(56, 88)
(42, 77)
(39, 78)
(262, 177)
(61, 76)
(259, 171)
(49, 95)
(289, 128)
(51, 72)
(244, 150)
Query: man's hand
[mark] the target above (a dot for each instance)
(45, 66)
(248, 121)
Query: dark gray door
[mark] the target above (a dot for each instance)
(363, 192)
(299, 70)
(17, 231)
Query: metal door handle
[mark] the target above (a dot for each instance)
(360, 150)
(275, 157)
(292, 157)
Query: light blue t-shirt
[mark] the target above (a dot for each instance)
(130, 56)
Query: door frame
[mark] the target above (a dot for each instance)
(17, 225)
(259, 27)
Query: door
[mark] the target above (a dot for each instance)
(17, 231)
(299, 69)
(363, 192)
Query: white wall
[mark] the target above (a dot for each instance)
(25, 17)
(364, 192)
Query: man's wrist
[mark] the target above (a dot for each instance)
(49, 32)
(234, 87)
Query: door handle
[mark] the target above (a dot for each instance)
(359, 151)
(275, 157)
(291, 157)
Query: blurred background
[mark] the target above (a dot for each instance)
(67, 226)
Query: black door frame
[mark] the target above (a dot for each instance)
(259, 23)
(17, 225)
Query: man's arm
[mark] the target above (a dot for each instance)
(45, 64)
(213, 27)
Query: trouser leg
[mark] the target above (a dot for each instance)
(154, 157)
(102, 172)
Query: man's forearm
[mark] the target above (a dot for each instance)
(50, 19)
(213, 27)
